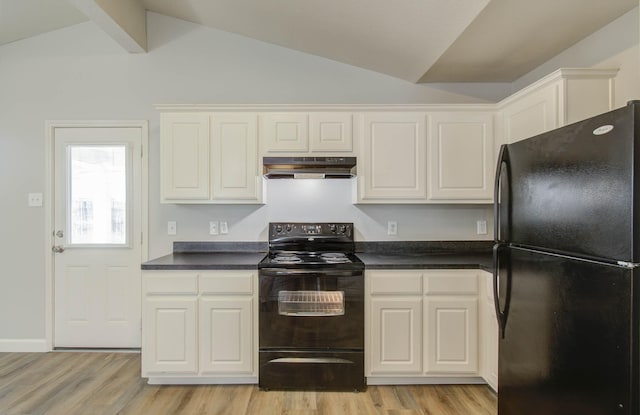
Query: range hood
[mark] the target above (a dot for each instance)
(309, 167)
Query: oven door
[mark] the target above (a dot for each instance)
(311, 309)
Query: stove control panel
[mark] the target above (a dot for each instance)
(310, 229)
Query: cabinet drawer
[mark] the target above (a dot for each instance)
(399, 282)
(173, 283)
(227, 283)
(451, 282)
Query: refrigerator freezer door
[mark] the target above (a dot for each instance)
(572, 189)
(568, 342)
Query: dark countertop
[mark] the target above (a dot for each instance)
(428, 260)
(205, 260)
(375, 255)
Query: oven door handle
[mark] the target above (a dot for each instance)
(280, 272)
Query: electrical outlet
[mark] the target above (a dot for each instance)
(224, 227)
(392, 227)
(171, 228)
(34, 200)
(213, 227)
(481, 227)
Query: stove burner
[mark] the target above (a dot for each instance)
(335, 258)
(287, 259)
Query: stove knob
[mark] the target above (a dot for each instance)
(342, 228)
(278, 228)
(288, 227)
(332, 227)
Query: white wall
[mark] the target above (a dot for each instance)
(79, 73)
(613, 46)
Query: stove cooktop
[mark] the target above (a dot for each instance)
(300, 260)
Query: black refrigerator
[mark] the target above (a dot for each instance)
(566, 276)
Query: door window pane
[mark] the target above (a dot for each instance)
(98, 194)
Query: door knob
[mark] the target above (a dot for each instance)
(58, 249)
(59, 234)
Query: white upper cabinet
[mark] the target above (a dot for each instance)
(210, 158)
(331, 131)
(461, 157)
(303, 133)
(234, 156)
(563, 97)
(393, 161)
(184, 156)
(407, 154)
(284, 132)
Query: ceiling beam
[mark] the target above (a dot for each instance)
(123, 20)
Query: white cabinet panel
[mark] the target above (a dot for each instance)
(284, 132)
(489, 332)
(461, 162)
(169, 336)
(532, 115)
(451, 335)
(396, 341)
(234, 156)
(226, 335)
(394, 157)
(184, 148)
(331, 131)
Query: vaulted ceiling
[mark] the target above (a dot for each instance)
(415, 40)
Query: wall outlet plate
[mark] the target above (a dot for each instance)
(213, 227)
(224, 227)
(392, 227)
(34, 200)
(481, 227)
(171, 228)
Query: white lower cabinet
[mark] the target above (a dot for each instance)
(169, 337)
(451, 335)
(199, 327)
(226, 335)
(396, 341)
(489, 334)
(423, 326)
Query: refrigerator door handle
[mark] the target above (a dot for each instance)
(503, 162)
(500, 314)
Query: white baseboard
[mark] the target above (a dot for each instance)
(23, 345)
(425, 380)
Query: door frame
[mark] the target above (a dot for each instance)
(50, 127)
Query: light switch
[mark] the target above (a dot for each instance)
(224, 227)
(481, 227)
(213, 227)
(34, 200)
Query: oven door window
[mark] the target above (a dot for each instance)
(311, 303)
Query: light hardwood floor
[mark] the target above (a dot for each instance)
(69, 383)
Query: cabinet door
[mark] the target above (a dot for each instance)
(490, 333)
(234, 156)
(226, 335)
(331, 131)
(169, 339)
(396, 335)
(532, 114)
(451, 335)
(461, 164)
(184, 158)
(284, 132)
(394, 157)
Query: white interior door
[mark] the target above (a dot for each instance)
(97, 236)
